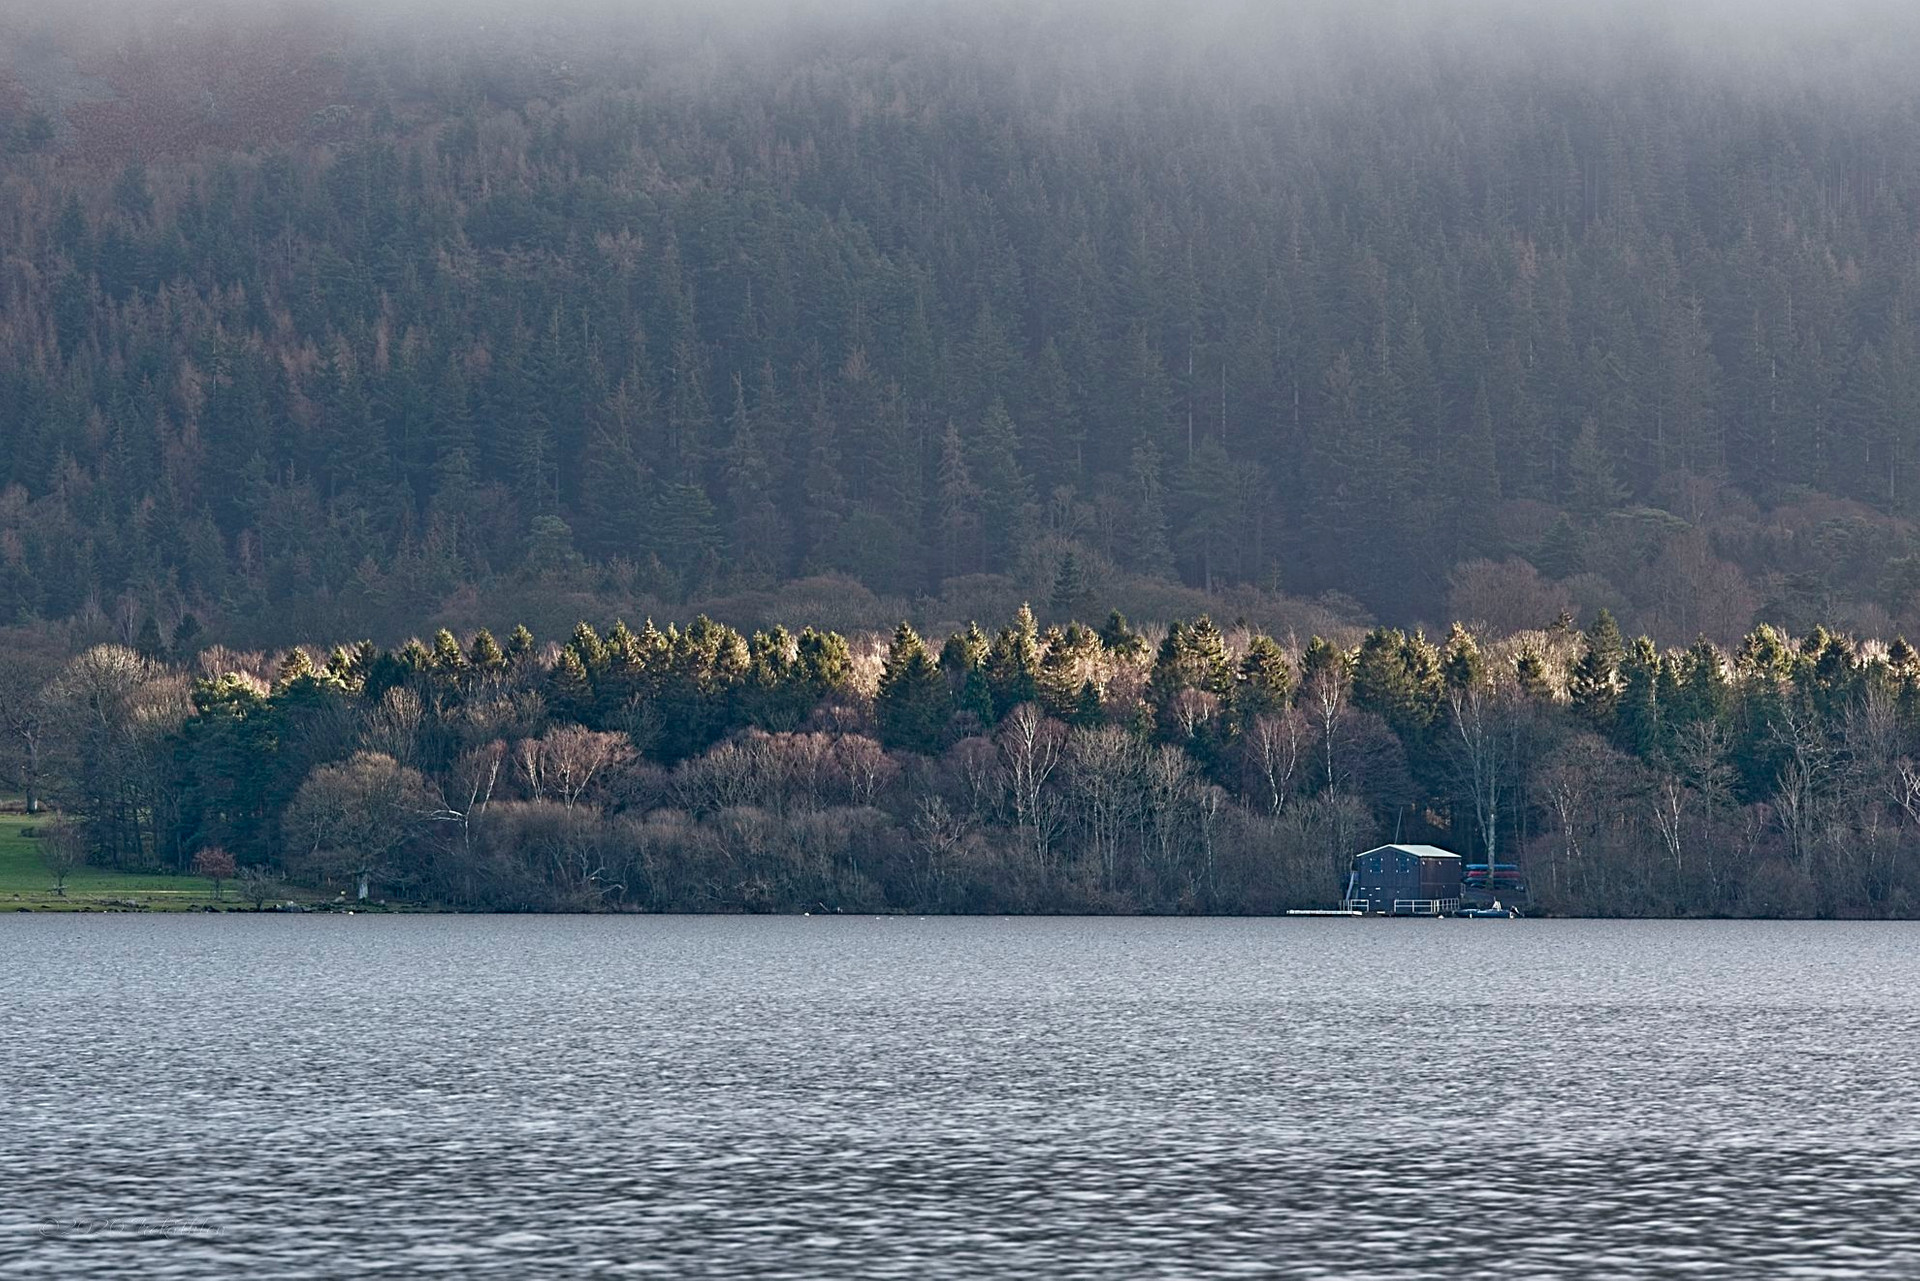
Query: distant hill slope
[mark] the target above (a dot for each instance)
(313, 320)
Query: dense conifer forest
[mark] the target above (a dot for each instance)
(1340, 322)
(335, 322)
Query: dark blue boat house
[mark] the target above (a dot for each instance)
(1404, 880)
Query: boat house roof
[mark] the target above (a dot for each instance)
(1418, 851)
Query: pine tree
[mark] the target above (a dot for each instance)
(1052, 430)
(963, 652)
(1142, 398)
(295, 666)
(689, 436)
(1325, 668)
(614, 480)
(1472, 481)
(756, 529)
(990, 367)
(550, 545)
(975, 699)
(822, 491)
(1701, 693)
(1192, 659)
(586, 645)
(1530, 670)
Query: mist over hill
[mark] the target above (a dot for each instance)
(336, 321)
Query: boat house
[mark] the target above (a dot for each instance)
(1404, 880)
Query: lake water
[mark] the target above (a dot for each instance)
(316, 1096)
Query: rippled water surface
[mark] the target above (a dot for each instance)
(513, 1097)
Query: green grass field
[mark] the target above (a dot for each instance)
(26, 882)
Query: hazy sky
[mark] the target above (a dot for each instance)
(1820, 45)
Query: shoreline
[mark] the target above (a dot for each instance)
(132, 906)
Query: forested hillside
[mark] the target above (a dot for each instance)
(320, 322)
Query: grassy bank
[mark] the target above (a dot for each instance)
(26, 882)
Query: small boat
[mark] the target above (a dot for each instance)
(1496, 912)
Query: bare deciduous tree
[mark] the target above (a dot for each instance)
(64, 848)
(865, 766)
(469, 790)
(258, 884)
(352, 817)
(1105, 765)
(573, 756)
(1030, 746)
(1271, 749)
(393, 728)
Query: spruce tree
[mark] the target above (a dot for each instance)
(959, 504)
(1012, 665)
(1059, 680)
(1593, 488)
(1087, 712)
(1637, 716)
(911, 704)
(448, 659)
(824, 663)
(519, 646)
(1147, 550)
(148, 644)
(1069, 588)
(684, 529)
(1118, 639)
(1530, 670)
(1265, 683)
(1398, 677)
(1006, 503)
(1594, 684)
(569, 687)
(185, 644)
(1560, 553)
(756, 529)
(1461, 662)
(485, 653)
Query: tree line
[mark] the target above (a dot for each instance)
(1059, 768)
